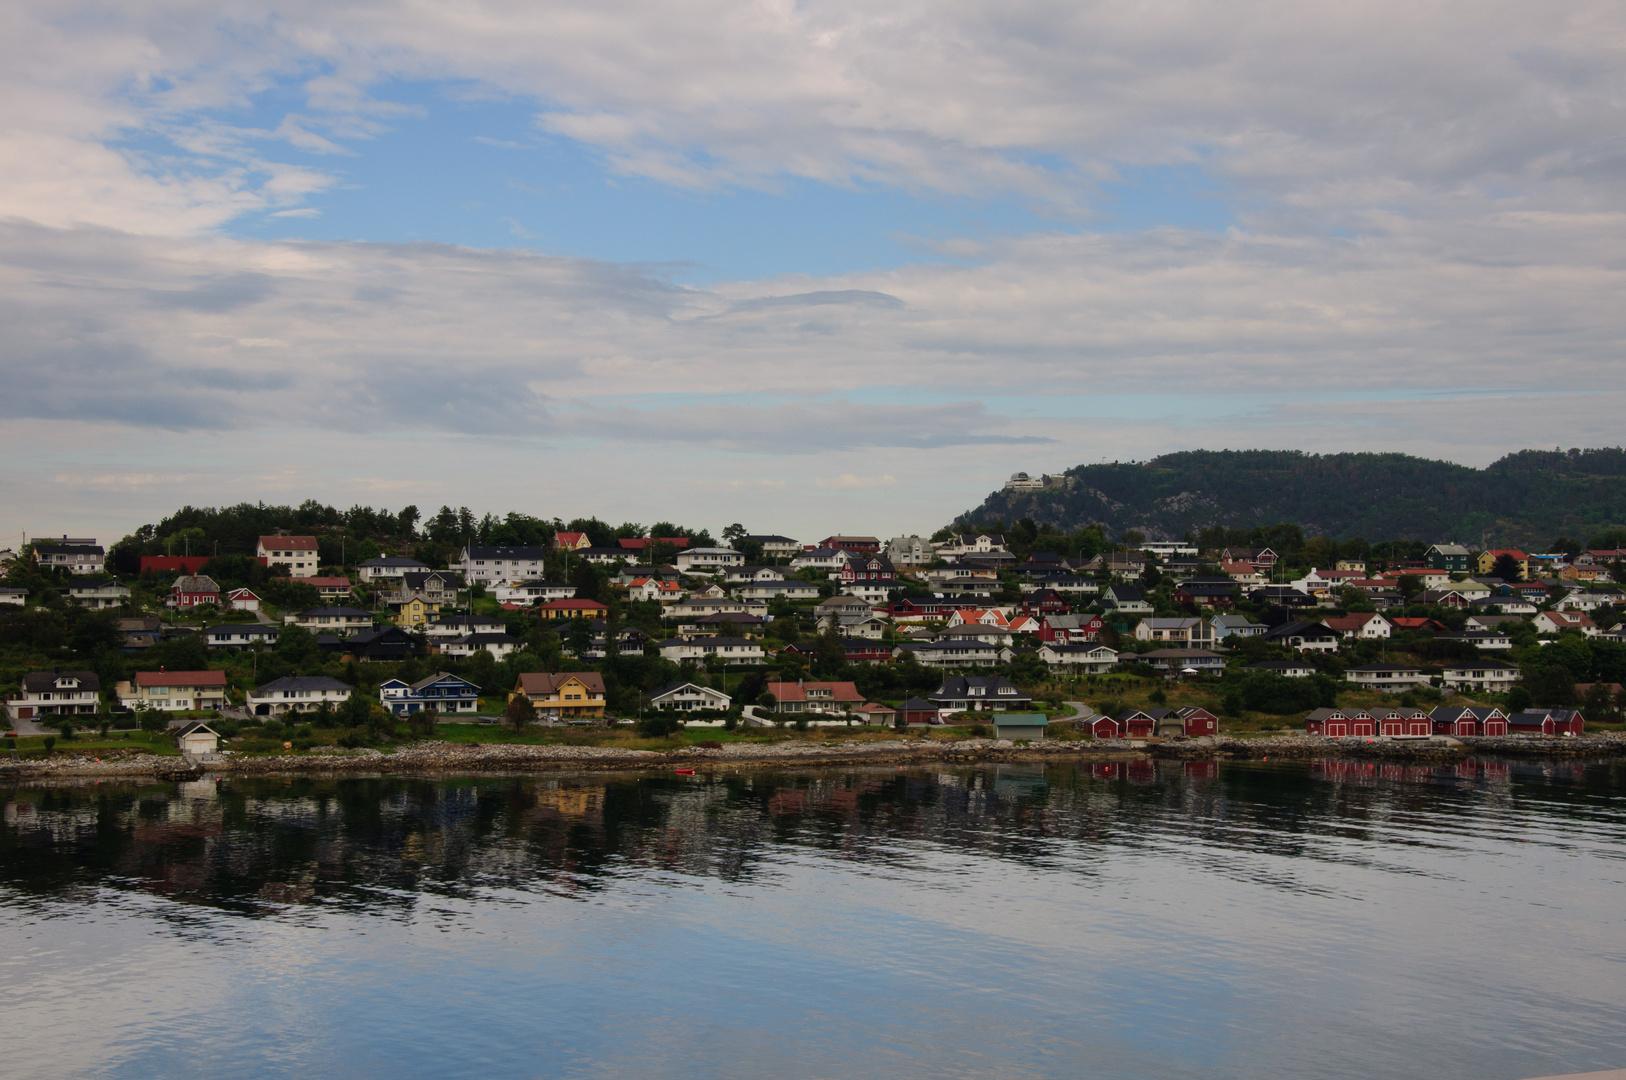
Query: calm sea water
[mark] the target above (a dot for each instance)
(1178, 921)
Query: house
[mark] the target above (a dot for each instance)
(729, 650)
(707, 560)
(863, 626)
(916, 711)
(747, 574)
(1191, 721)
(75, 557)
(572, 609)
(55, 693)
(688, 697)
(955, 652)
(1239, 626)
(388, 568)
(829, 697)
(141, 633)
(615, 555)
(173, 691)
(1547, 722)
(870, 576)
(197, 738)
(455, 626)
(1488, 676)
(1414, 625)
(1137, 723)
(438, 588)
(1369, 626)
(819, 559)
(977, 617)
(875, 714)
(1020, 725)
(1045, 602)
(629, 640)
(1493, 622)
(1403, 723)
(662, 592)
(1556, 622)
(1585, 600)
(297, 693)
(1451, 558)
(778, 590)
(964, 544)
(1484, 640)
(240, 635)
(568, 695)
(696, 608)
(1386, 677)
(1180, 662)
(1189, 632)
(1264, 558)
(330, 588)
(861, 544)
(98, 593)
(337, 620)
(571, 541)
(387, 645)
(243, 600)
(777, 547)
(488, 564)
(1304, 636)
(441, 692)
(1486, 563)
(1353, 566)
(297, 553)
(500, 645)
(1066, 584)
(1070, 629)
(640, 544)
(860, 650)
(1120, 565)
(1126, 600)
(911, 610)
(193, 590)
(1446, 598)
(1291, 669)
(732, 622)
(909, 551)
(172, 564)
(12, 595)
(1080, 659)
(1468, 720)
(413, 613)
(975, 693)
(1206, 593)
(1595, 573)
(1245, 574)
(838, 606)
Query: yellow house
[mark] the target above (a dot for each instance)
(570, 694)
(1487, 560)
(414, 612)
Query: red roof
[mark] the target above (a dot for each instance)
(181, 678)
(191, 564)
(638, 543)
(326, 582)
(289, 543)
(568, 539)
(789, 691)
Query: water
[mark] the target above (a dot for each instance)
(1247, 920)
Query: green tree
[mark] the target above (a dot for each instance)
(519, 712)
(152, 722)
(1506, 567)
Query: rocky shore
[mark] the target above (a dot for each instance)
(445, 758)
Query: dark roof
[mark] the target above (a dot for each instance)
(395, 560)
(37, 681)
(915, 704)
(304, 682)
(69, 549)
(335, 611)
(1301, 629)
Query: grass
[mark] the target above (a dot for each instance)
(93, 745)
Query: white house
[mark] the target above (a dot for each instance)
(687, 697)
(777, 547)
(388, 569)
(173, 691)
(499, 645)
(51, 693)
(12, 595)
(1553, 622)
(534, 591)
(297, 553)
(1083, 659)
(74, 556)
(710, 560)
(332, 620)
(1489, 676)
(442, 692)
(1584, 600)
(1387, 677)
(652, 588)
(778, 590)
(296, 693)
(240, 635)
(1195, 633)
(99, 592)
(820, 559)
(487, 565)
(455, 626)
(197, 738)
(1236, 625)
(873, 592)
(242, 600)
(730, 650)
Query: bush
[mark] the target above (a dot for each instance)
(1268, 692)
(352, 740)
(50, 743)
(659, 725)
(226, 729)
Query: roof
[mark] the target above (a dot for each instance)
(797, 691)
(196, 583)
(542, 682)
(915, 704)
(303, 682)
(1020, 719)
(505, 552)
(181, 678)
(68, 549)
(468, 620)
(437, 677)
(192, 728)
(396, 560)
(289, 543)
(673, 687)
(1449, 549)
(326, 582)
(36, 681)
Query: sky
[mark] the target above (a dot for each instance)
(811, 267)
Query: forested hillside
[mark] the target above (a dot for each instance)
(1524, 500)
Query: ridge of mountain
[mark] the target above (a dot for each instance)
(1522, 500)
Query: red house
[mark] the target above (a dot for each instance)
(173, 564)
(1339, 724)
(875, 568)
(917, 711)
(862, 544)
(1070, 629)
(1460, 720)
(917, 610)
(1547, 722)
(1405, 724)
(1045, 602)
(1105, 727)
(1197, 721)
(192, 590)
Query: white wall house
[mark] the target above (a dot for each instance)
(489, 565)
(1489, 676)
(730, 650)
(707, 560)
(174, 691)
(535, 591)
(296, 693)
(332, 620)
(388, 569)
(297, 553)
(687, 697)
(49, 693)
(99, 592)
(76, 558)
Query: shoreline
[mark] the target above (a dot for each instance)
(473, 759)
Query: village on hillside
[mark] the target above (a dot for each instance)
(367, 627)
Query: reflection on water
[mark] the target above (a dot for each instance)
(1126, 919)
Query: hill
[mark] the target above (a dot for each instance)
(1524, 500)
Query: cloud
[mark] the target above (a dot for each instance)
(302, 212)
(847, 482)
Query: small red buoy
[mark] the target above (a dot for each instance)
(685, 772)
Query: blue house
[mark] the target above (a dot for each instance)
(442, 692)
